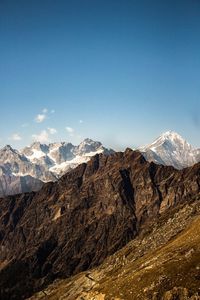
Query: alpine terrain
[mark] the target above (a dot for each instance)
(27, 170)
(99, 198)
(77, 223)
(171, 149)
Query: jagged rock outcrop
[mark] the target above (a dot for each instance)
(161, 263)
(74, 224)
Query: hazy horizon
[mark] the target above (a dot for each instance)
(119, 147)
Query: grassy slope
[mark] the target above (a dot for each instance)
(167, 257)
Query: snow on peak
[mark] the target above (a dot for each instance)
(90, 142)
(39, 147)
(173, 136)
(171, 140)
(88, 145)
(87, 141)
(170, 149)
(59, 157)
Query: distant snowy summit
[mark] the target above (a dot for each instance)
(27, 169)
(58, 158)
(172, 150)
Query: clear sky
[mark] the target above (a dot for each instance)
(117, 71)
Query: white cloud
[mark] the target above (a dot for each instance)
(70, 130)
(80, 121)
(40, 118)
(42, 137)
(52, 130)
(16, 137)
(43, 115)
(45, 110)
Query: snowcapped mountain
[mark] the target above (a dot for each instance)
(28, 169)
(58, 158)
(25, 170)
(172, 150)
(14, 162)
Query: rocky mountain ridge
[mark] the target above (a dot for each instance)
(42, 163)
(73, 224)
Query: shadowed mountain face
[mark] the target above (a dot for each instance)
(161, 263)
(91, 212)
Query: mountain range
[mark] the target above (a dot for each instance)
(27, 169)
(72, 225)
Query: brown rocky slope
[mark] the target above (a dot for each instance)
(90, 213)
(162, 263)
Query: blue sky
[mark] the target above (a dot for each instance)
(121, 72)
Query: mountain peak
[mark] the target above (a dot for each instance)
(37, 144)
(8, 150)
(88, 141)
(88, 145)
(8, 147)
(170, 138)
(39, 147)
(171, 135)
(170, 148)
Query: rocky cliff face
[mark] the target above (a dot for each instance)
(161, 263)
(74, 224)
